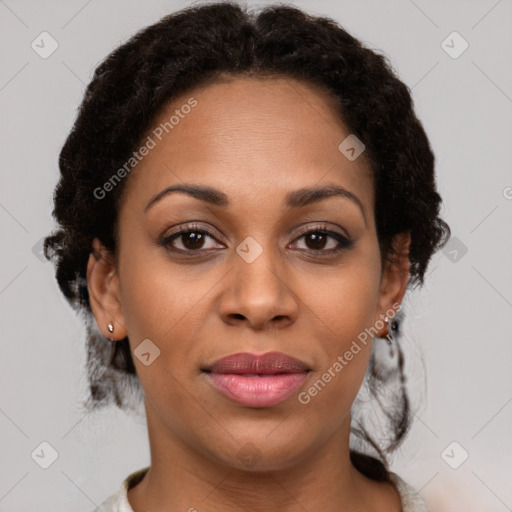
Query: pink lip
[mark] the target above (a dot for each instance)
(257, 380)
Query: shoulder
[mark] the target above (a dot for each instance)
(118, 502)
(411, 499)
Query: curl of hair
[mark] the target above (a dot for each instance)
(202, 44)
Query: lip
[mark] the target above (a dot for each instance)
(257, 380)
(247, 363)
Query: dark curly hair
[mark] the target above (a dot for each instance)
(202, 44)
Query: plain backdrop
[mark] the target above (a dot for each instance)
(459, 323)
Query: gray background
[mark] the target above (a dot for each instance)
(459, 321)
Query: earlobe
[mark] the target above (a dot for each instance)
(104, 296)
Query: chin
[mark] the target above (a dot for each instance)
(260, 454)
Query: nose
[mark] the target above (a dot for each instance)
(258, 294)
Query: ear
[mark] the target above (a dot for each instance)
(104, 293)
(395, 276)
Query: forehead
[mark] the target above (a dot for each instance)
(250, 135)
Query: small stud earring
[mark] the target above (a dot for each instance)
(110, 327)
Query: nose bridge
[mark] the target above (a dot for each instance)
(258, 291)
(257, 269)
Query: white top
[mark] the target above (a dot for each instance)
(118, 502)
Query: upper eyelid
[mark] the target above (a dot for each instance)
(323, 227)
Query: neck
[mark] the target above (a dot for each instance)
(184, 478)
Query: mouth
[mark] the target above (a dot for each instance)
(257, 380)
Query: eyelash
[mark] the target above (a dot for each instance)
(343, 241)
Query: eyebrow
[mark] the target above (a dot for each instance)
(295, 199)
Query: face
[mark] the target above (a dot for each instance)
(261, 265)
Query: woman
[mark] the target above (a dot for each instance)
(244, 201)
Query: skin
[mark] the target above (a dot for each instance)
(255, 139)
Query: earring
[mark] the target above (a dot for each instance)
(389, 336)
(110, 327)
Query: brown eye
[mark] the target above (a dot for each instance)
(190, 238)
(318, 240)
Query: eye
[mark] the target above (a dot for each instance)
(190, 237)
(317, 239)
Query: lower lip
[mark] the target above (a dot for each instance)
(257, 391)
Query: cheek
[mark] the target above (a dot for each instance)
(343, 312)
(165, 304)
(346, 305)
(154, 295)
(158, 305)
